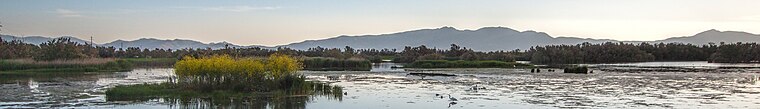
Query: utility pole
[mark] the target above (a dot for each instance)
(91, 42)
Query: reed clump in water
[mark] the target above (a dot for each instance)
(222, 72)
(222, 76)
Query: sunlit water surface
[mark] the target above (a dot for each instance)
(388, 88)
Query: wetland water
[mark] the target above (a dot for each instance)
(393, 89)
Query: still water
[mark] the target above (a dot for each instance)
(393, 89)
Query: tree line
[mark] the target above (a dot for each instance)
(628, 52)
(64, 48)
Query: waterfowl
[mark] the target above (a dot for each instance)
(452, 98)
(452, 103)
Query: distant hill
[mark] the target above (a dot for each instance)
(716, 37)
(36, 40)
(151, 43)
(497, 38)
(483, 39)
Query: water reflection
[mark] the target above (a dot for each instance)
(502, 88)
(386, 67)
(67, 89)
(293, 99)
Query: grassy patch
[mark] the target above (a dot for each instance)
(80, 65)
(464, 64)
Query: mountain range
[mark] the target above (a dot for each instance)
(483, 39)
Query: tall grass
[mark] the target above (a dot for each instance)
(464, 64)
(332, 64)
(222, 72)
(72, 65)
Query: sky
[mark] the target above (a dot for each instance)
(279, 22)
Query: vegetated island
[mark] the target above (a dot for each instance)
(225, 78)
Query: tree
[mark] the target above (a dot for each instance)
(64, 49)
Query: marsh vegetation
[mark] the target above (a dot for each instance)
(73, 65)
(223, 77)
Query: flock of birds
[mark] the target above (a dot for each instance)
(452, 100)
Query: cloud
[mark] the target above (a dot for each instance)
(238, 8)
(68, 13)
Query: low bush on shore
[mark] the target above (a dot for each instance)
(464, 64)
(333, 64)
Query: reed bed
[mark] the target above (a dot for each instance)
(71, 65)
(222, 72)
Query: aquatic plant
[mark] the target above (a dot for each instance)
(222, 72)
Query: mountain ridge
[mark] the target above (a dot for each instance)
(482, 39)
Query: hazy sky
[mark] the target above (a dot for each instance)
(278, 22)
